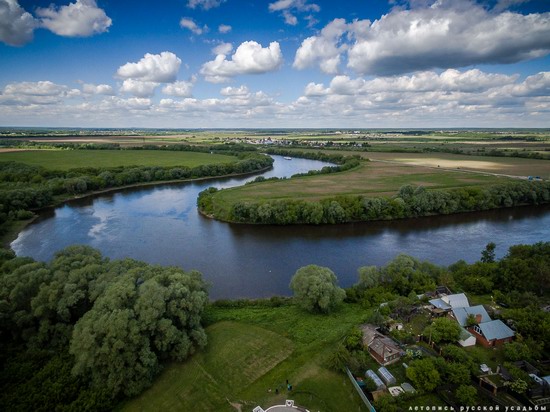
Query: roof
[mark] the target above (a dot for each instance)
(384, 346)
(461, 314)
(495, 329)
(464, 334)
(458, 300)
(369, 333)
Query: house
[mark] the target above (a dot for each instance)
(493, 333)
(486, 331)
(382, 348)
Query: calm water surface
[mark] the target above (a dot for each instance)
(161, 225)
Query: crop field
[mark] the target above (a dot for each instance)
(251, 353)
(370, 179)
(511, 166)
(69, 159)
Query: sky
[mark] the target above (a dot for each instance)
(275, 64)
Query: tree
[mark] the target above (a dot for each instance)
(369, 277)
(516, 351)
(354, 341)
(488, 255)
(316, 290)
(145, 316)
(443, 330)
(457, 372)
(466, 395)
(423, 374)
(386, 403)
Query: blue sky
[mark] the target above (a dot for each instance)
(280, 63)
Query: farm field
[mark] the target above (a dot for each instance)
(69, 159)
(369, 179)
(251, 352)
(511, 166)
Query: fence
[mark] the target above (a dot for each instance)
(360, 391)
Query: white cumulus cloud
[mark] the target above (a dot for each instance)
(445, 36)
(158, 68)
(16, 25)
(223, 48)
(322, 50)
(188, 23)
(180, 88)
(139, 88)
(288, 8)
(36, 93)
(104, 89)
(249, 58)
(204, 4)
(80, 19)
(235, 91)
(432, 34)
(224, 28)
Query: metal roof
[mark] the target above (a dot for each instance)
(495, 329)
(461, 314)
(458, 300)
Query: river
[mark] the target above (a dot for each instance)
(161, 225)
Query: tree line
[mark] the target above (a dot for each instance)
(24, 187)
(410, 202)
(93, 330)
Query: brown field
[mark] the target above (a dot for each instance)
(511, 166)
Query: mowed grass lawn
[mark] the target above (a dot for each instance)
(369, 179)
(70, 159)
(251, 352)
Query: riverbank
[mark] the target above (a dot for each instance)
(13, 229)
(370, 192)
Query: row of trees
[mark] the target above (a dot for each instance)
(227, 147)
(111, 324)
(409, 202)
(25, 187)
(518, 278)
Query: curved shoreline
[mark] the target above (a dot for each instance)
(17, 227)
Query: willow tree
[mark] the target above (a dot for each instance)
(316, 289)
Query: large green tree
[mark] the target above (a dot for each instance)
(443, 330)
(423, 374)
(316, 289)
(146, 315)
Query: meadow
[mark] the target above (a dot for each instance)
(70, 159)
(372, 179)
(251, 353)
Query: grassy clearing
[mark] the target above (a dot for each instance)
(69, 159)
(370, 179)
(252, 351)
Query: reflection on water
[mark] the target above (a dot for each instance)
(161, 225)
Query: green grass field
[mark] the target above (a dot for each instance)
(369, 179)
(250, 353)
(69, 159)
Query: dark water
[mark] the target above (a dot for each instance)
(161, 225)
